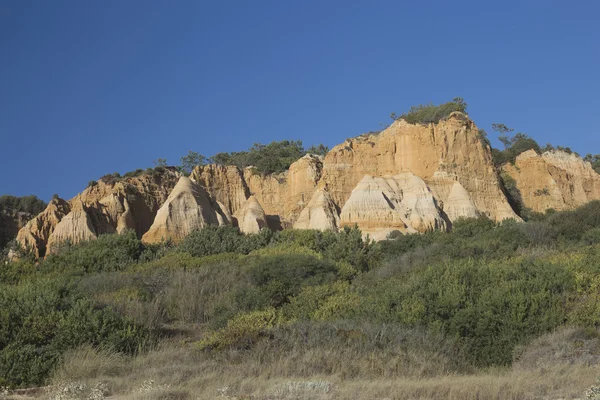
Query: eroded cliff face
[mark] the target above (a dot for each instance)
(410, 178)
(554, 179)
(440, 154)
(422, 177)
(11, 222)
(187, 208)
(109, 206)
(251, 217)
(35, 234)
(320, 213)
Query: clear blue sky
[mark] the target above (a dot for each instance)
(93, 87)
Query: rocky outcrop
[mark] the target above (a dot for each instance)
(77, 226)
(380, 205)
(224, 184)
(459, 204)
(284, 196)
(36, 233)
(187, 208)
(251, 217)
(320, 213)
(450, 148)
(553, 180)
(111, 205)
(452, 197)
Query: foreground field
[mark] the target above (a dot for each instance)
(561, 365)
(172, 373)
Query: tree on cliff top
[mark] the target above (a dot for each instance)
(28, 204)
(429, 113)
(271, 158)
(513, 145)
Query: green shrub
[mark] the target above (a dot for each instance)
(591, 237)
(27, 204)
(41, 319)
(242, 332)
(275, 157)
(490, 306)
(514, 146)
(425, 114)
(107, 253)
(346, 245)
(133, 174)
(280, 277)
(324, 302)
(594, 161)
(470, 227)
(214, 240)
(572, 225)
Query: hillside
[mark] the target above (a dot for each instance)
(311, 314)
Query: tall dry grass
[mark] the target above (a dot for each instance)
(176, 370)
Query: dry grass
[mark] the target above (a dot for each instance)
(179, 371)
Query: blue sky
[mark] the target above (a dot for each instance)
(93, 87)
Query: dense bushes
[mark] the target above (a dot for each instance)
(491, 307)
(215, 240)
(572, 226)
(107, 253)
(594, 160)
(344, 246)
(429, 113)
(28, 204)
(514, 146)
(271, 158)
(40, 320)
(479, 293)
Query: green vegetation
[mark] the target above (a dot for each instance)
(594, 160)
(27, 204)
(189, 161)
(464, 300)
(429, 113)
(43, 318)
(272, 158)
(513, 146)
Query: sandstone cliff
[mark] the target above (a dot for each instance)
(380, 205)
(187, 208)
(320, 213)
(35, 234)
(111, 205)
(452, 167)
(411, 178)
(251, 217)
(10, 224)
(440, 154)
(555, 179)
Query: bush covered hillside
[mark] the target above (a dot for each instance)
(292, 306)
